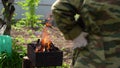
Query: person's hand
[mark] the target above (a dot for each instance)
(80, 41)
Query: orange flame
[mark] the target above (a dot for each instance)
(45, 40)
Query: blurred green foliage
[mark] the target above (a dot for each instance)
(30, 15)
(15, 60)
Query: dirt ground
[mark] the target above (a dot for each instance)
(56, 37)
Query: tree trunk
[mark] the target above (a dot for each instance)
(7, 15)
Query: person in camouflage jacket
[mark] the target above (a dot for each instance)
(101, 20)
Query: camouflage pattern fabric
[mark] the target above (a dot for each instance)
(101, 20)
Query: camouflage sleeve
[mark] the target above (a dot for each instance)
(63, 13)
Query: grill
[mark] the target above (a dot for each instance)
(51, 57)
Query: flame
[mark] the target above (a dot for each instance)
(39, 49)
(45, 40)
(45, 37)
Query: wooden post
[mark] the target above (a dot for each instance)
(26, 63)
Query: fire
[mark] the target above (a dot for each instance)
(45, 40)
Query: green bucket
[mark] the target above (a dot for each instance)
(6, 44)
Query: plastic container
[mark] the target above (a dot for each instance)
(5, 44)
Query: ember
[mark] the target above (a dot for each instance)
(48, 47)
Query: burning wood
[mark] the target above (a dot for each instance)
(47, 47)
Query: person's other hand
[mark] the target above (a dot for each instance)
(80, 41)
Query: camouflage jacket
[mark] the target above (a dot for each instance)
(101, 20)
(95, 16)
